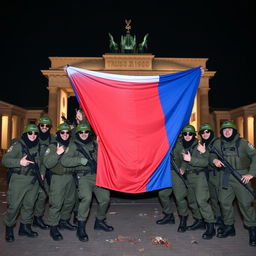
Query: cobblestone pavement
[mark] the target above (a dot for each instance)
(133, 217)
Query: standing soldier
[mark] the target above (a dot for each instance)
(22, 158)
(62, 186)
(195, 159)
(184, 195)
(241, 155)
(45, 138)
(212, 173)
(81, 155)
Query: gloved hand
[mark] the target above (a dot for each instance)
(83, 161)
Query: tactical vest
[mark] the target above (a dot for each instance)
(233, 152)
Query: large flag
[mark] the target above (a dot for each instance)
(137, 120)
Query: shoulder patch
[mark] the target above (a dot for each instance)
(251, 146)
(47, 151)
(9, 149)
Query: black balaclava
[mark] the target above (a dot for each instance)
(231, 137)
(207, 142)
(187, 144)
(28, 142)
(44, 135)
(89, 139)
(60, 140)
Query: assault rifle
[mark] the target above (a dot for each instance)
(91, 162)
(35, 169)
(68, 122)
(176, 169)
(230, 170)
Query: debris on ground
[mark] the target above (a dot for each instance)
(158, 240)
(128, 239)
(194, 242)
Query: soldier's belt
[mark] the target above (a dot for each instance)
(22, 172)
(193, 171)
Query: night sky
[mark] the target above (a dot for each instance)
(222, 31)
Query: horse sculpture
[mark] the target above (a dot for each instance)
(144, 44)
(113, 46)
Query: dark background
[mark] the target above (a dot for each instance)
(222, 31)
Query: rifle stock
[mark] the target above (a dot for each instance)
(176, 169)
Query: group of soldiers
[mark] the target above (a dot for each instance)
(207, 175)
(62, 168)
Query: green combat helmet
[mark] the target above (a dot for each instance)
(45, 120)
(205, 126)
(189, 128)
(63, 126)
(83, 127)
(228, 124)
(30, 128)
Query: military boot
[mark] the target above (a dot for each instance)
(65, 224)
(39, 222)
(167, 219)
(252, 236)
(183, 224)
(225, 231)
(25, 230)
(9, 237)
(210, 231)
(81, 234)
(101, 225)
(55, 233)
(198, 224)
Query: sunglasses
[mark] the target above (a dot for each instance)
(205, 131)
(187, 133)
(45, 125)
(63, 132)
(30, 133)
(81, 132)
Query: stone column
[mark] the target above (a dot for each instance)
(254, 130)
(0, 132)
(204, 105)
(53, 106)
(245, 127)
(9, 130)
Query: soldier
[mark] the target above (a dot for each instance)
(182, 190)
(195, 159)
(81, 155)
(45, 138)
(212, 173)
(241, 155)
(21, 159)
(62, 186)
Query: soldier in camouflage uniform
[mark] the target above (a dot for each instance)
(45, 138)
(21, 158)
(62, 186)
(194, 160)
(81, 156)
(212, 173)
(241, 155)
